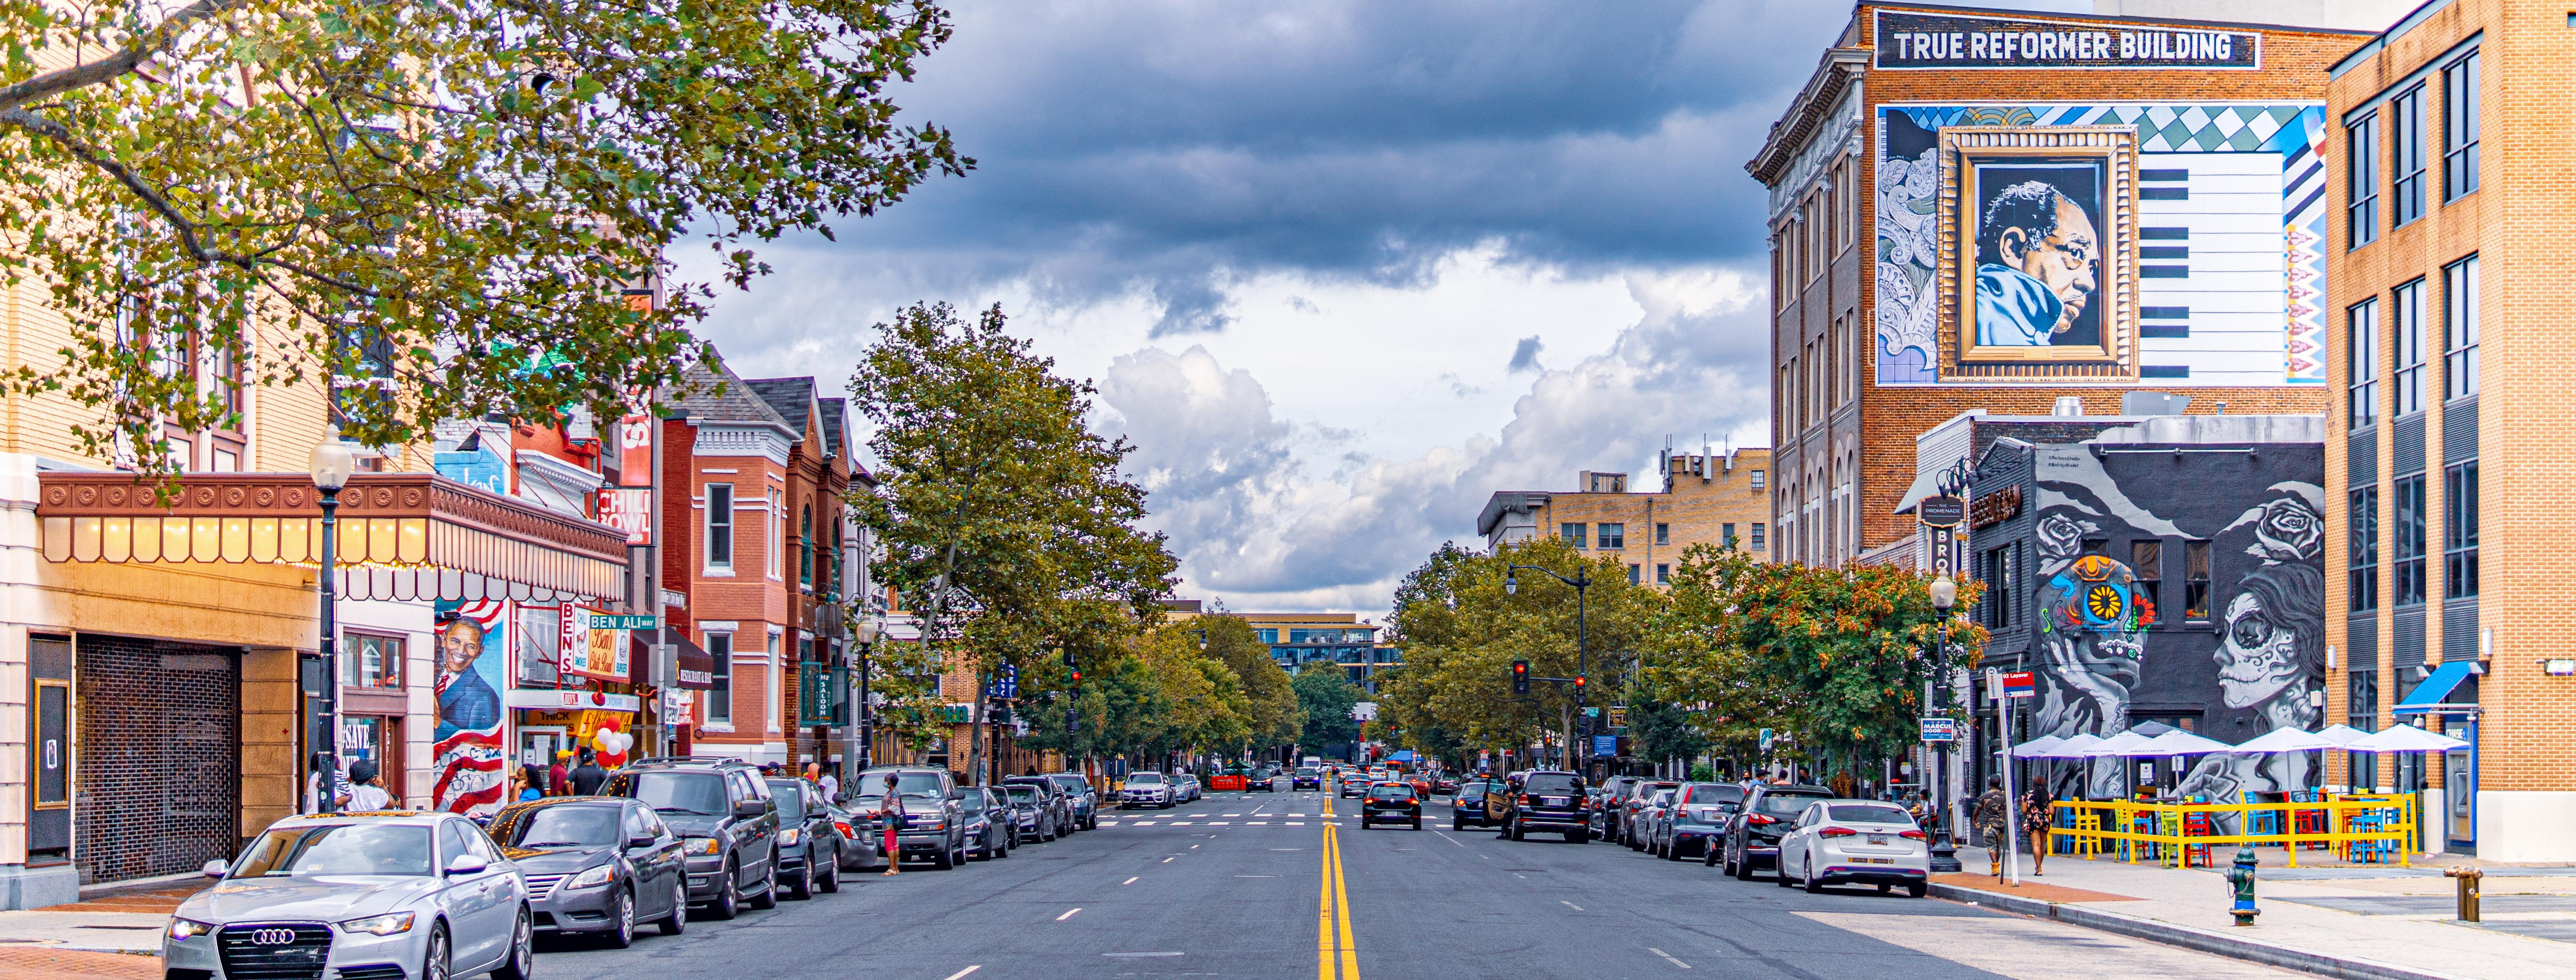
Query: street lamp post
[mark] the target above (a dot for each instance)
(1582, 653)
(331, 464)
(865, 631)
(1945, 852)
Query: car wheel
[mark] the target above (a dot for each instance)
(1884, 888)
(1458, 823)
(1417, 823)
(436, 965)
(946, 860)
(1808, 878)
(1780, 871)
(1916, 889)
(621, 929)
(678, 921)
(831, 882)
(523, 950)
(802, 889)
(1742, 864)
(728, 901)
(1577, 836)
(1708, 855)
(1673, 849)
(1002, 848)
(767, 897)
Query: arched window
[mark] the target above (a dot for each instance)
(805, 548)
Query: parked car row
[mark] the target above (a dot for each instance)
(393, 894)
(1804, 835)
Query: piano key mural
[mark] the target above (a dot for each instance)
(2205, 261)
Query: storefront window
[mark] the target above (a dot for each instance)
(540, 644)
(367, 660)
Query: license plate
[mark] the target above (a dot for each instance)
(1877, 840)
(1553, 800)
(1875, 860)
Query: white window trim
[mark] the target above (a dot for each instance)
(706, 700)
(777, 521)
(706, 531)
(777, 679)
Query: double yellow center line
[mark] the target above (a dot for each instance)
(1336, 956)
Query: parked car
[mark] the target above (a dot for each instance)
(1467, 805)
(1391, 802)
(1145, 789)
(727, 824)
(987, 815)
(1641, 834)
(1059, 806)
(596, 865)
(1186, 786)
(860, 832)
(419, 894)
(1086, 798)
(1603, 816)
(1753, 835)
(1865, 842)
(1638, 794)
(1696, 819)
(1543, 800)
(809, 847)
(1307, 777)
(925, 799)
(1033, 816)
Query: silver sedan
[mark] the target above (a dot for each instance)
(422, 896)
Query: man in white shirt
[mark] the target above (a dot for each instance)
(364, 794)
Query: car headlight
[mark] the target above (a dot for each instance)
(592, 878)
(790, 835)
(181, 929)
(699, 845)
(387, 924)
(931, 825)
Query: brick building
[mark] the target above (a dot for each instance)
(2423, 637)
(2058, 207)
(1708, 498)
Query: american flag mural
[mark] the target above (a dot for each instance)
(470, 756)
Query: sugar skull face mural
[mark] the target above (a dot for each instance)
(2091, 618)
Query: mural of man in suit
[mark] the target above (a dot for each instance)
(2036, 257)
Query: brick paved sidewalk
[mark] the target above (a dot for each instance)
(42, 963)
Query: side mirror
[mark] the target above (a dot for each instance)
(640, 843)
(466, 864)
(216, 869)
(748, 809)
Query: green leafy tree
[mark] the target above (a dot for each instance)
(1325, 696)
(1273, 714)
(999, 514)
(448, 197)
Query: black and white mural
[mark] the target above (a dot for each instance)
(2185, 585)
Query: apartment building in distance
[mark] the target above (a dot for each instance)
(1997, 210)
(1707, 498)
(2440, 234)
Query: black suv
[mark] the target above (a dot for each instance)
(727, 823)
(1541, 799)
(1753, 836)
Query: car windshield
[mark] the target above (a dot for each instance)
(1552, 782)
(1390, 792)
(1702, 793)
(1868, 813)
(342, 849)
(1784, 804)
(1145, 779)
(1305, 770)
(701, 793)
(790, 795)
(971, 803)
(906, 783)
(1022, 794)
(1071, 784)
(567, 826)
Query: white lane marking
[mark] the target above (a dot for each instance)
(1296, 823)
(1169, 860)
(1668, 957)
(1570, 905)
(1194, 847)
(961, 973)
(1218, 823)
(1130, 881)
(1144, 823)
(1107, 823)
(1067, 915)
(1520, 876)
(1446, 837)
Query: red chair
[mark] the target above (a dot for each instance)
(2196, 825)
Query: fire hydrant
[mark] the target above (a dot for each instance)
(2468, 879)
(2242, 876)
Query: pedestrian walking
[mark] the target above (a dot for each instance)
(2036, 814)
(364, 795)
(587, 776)
(893, 816)
(1993, 821)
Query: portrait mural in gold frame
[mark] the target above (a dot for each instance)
(2039, 253)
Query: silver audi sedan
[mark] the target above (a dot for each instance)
(369, 896)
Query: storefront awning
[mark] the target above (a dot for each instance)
(404, 536)
(2434, 695)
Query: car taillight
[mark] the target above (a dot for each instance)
(1836, 832)
(1759, 820)
(1914, 835)
(1409, 801)
(1525, 799)
(844, 828)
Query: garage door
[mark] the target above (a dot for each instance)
(160, 757)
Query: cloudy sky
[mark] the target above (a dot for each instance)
(1340, 269)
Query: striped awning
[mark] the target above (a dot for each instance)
(406, 536)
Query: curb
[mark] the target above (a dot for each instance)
(2191, 937)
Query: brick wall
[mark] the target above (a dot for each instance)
(1695, 511)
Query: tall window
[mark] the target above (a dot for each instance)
(2406, 573)
(1663, 574)
(2406, 145)
(1726, 534)
(720, 685)
(1614, 535)
(2460, 328)
(1757, 479)
(371, 661)
(1663, 534)
(805, 547)
(776, 518)
(2460, 127)
(1572, 533)
(2460, 531)
(1757, 531)
(2147, 559)
(2361, 349)
(2410, 348)
(720, 527)
(540, 644)
(1632, 574)
(1997, 571)
(2195, 580)
(2362, 553)
(2361, 181)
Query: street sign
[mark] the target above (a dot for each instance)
(1006, 683)
(1618, 716)
(1940, 729)
(624, 621)
(2018, 684)
(1941, 511)
(1766, 740)
(1605, 745)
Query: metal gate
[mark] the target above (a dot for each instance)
(160, 757)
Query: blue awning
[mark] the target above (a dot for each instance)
(2433, 696)
(1404, 756)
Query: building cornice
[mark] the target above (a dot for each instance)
(1837, 70)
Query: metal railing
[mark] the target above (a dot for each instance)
(2361, 828)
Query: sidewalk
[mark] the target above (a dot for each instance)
(109, 920)
(2373, 921)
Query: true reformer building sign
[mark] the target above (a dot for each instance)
(1925, 40)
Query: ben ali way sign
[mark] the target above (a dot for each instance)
(1912, 39)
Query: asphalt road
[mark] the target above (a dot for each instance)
(1263, 885)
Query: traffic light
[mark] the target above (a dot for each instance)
(1077, 676)
(1520, 677)
(1578, 685)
